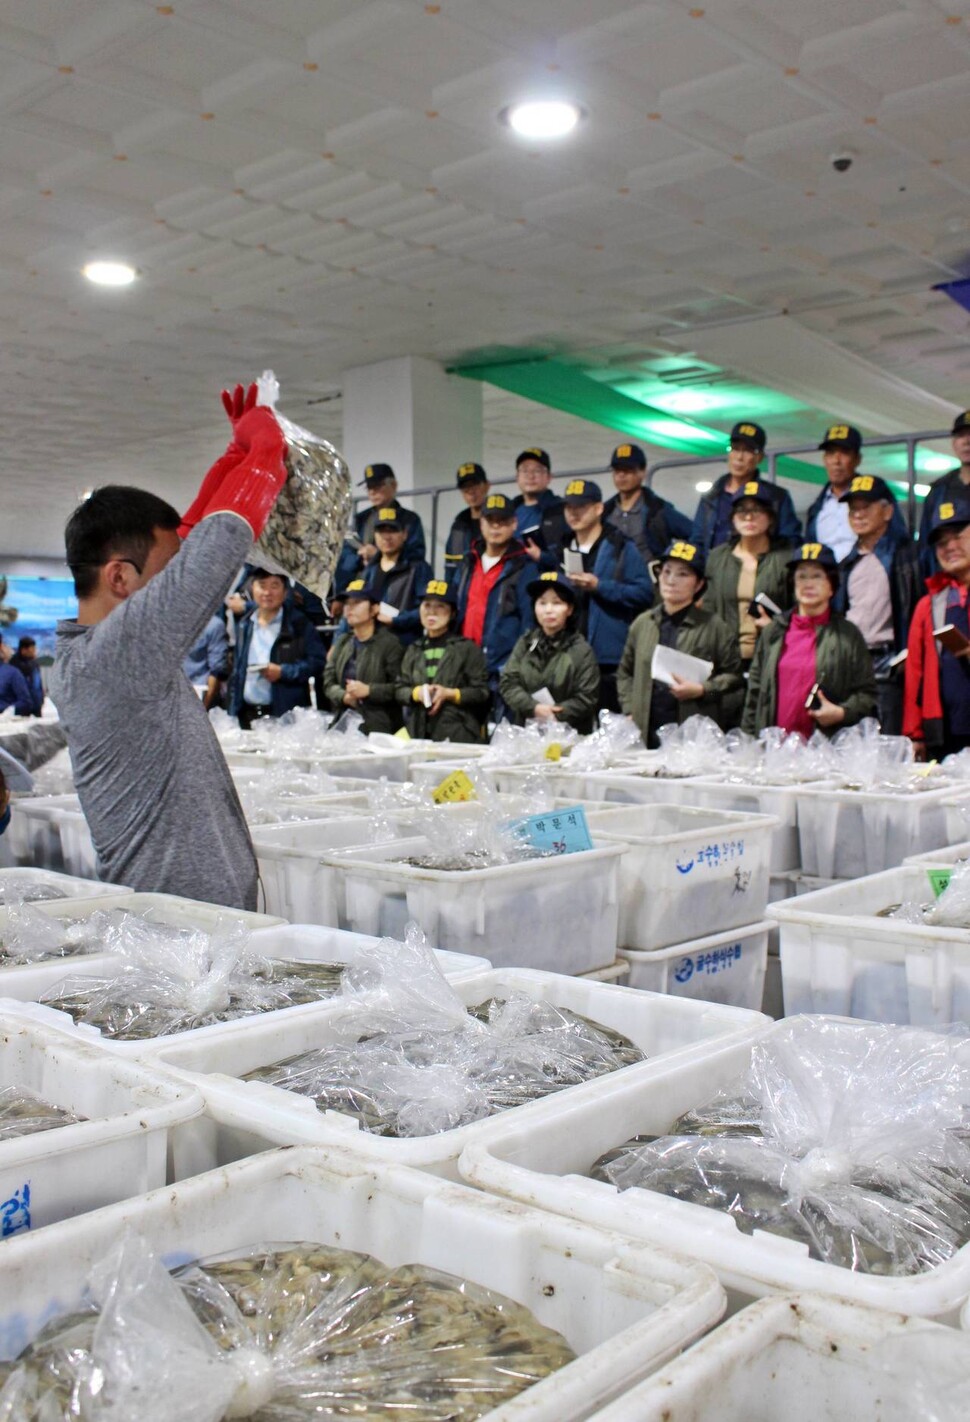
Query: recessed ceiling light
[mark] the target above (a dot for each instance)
(109, 273)
(704, 486)
(543, 118)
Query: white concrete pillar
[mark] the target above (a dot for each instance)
(409, 413)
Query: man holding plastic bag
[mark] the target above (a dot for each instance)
(153, 783)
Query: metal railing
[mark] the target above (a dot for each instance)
(909, 441)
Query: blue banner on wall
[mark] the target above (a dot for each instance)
(32, 607)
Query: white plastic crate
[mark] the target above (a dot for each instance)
(838, 957)
(723, 967)
(119, 1150)
(249, 1116)
(558, 913)
(618, 973)
(299, 881)
(688, 871)
(72, 887)
(363, 764)
(806, 1358)
(546, 1163)
(949, 854)
(625, 1309)
(33, 832)
(846, 834)
(301, 942)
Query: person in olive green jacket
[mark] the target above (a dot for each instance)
(554, 657)
(812, 669)
(362, 670)
(443, 683)
(750, 565)
(677, 622)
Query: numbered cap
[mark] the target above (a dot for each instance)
(438, 591)
(359, 590)
(388, 520)
(819, 553)
(961, 423)
(582, 491)
(377, 474)
(559, 584)
(683, 552)
(952, 513)
(534, 452)
(842, 437)
(628, 456)
(498, 507)
(760, 491)
(869, 487)
(747, 433)
(470, 474)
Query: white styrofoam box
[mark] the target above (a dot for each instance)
(806, 1356)
(722, 967)
(72, 887)
(689, 871)
(248, 1116)
(556, 913)
(546, 1163)
(299, 881)
(77, 847)
(309, 942)
(838, 956)
(942, 858)
(793, 882)
(849, 833)
(121, 1148)
(625, 1309)
(956, 808)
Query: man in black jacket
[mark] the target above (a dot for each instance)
(539, 519)
(713, 521)
(651, 522)
(473, 486)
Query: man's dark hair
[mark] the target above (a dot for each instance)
(115, 522)
(26, 642)
(259, 575)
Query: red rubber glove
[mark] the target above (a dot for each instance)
(236, 405)
(250, 488)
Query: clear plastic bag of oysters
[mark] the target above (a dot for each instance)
(277, 1333)
(851, 1138)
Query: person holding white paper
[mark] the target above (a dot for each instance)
(677, 625)
(395, 577)
(443, 682)
(552, 671)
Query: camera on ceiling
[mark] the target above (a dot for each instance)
(842, 162)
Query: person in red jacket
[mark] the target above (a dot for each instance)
(936, 707)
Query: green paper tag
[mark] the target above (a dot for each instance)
(939, 880)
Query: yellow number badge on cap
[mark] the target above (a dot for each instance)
(811, 552)
(687, 551)
(624, 451)
(838, 432)
(751, 488)
(747, 430)
(946, 511)
(576, 486)
(436, 589)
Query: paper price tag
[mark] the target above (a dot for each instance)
(558, 832)
(454, 788)
(939, 880)
(554, 751)
(402, 735)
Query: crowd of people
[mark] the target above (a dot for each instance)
(556, 605)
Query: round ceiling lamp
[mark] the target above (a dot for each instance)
(104, 273)
(543, 118)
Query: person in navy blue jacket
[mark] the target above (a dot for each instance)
(278, 650)
(492, 590)
(713, 521)
(613, 584)
(14, 691)
(394, 579)
(356, 557)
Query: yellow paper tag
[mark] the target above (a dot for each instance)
(554, 751)
(402, 734)
(455, 787)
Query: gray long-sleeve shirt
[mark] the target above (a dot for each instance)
(152, 780)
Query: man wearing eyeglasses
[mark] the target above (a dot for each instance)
(713, 520)
(154, 786)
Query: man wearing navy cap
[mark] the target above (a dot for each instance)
(473, 485)
(355, 557)
(611, 580)
(713, 521)
(879, 587)
(639, 513)
(954, 486)
(936, 705)
(539, 521)
(491, 590)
